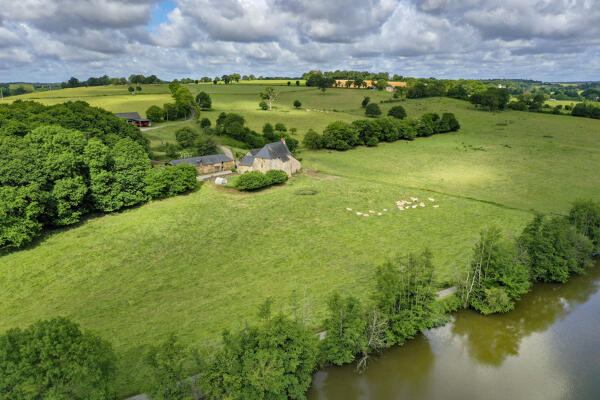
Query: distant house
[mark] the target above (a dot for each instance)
(208, 164)
(134, 118)
(272, 156)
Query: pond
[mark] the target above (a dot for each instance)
(547, 348)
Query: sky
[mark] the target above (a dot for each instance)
(52, 40)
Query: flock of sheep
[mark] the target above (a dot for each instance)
(403, 205)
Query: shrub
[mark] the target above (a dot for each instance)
(272, 361)
(168, 378)
(369, 131)
(154, 113)
(312, 140)
(365, 101)
(585, 216)
(449, 120)
(397, 112)
(162, 182)
(203, 100)
(280, 127)
(555, 249)
(339, 135)
(186, 137)
(54, 359)
(205, 123)
(263, 105)
(372, 110)
(252, 180)
(276, 176)
(297, 104)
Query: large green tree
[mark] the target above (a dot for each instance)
(54, 359)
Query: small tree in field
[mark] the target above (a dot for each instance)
(372, 110)
(297, 103)
(138, 89)
(397, 112)
(154, 113)
(365, 101)
(269, 95)
(131, 89)
(263, 105)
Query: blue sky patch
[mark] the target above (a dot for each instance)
(159, 13)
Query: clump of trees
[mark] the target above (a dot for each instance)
(163, 182)
(319, 80)
(51, 176)
(54, 359)
(183, 107)
(588, 110)
(233, 125)
(106, 80)
(369, 132)
(550, 249)
(203, 101)
(255, 180)
(492, 98)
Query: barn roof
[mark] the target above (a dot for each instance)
(269, 151)
(128, 115)
(203, 160)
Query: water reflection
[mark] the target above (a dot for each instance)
(548, 348)
(491, 339)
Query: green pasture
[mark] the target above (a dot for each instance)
(202, 262)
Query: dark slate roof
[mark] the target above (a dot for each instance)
(274, 150)
(269, 152)
(203, 160)
(128, 115)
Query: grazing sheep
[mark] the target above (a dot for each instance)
(421, 204)
(385, 209)
(358, 213)
(400, 208)
(365, 215)
(372, 212)
(436, 206)
(431, 199)
(415, 206)
(348, 208)
(414, 199)
(379, 214)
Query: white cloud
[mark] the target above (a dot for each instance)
(444, 38)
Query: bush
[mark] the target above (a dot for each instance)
(555, 249)
(203, 100)
(397, 112)
(312, 140)
(154, 113)
(252, 180)
(297, 104)
(339, 135)
(365, 101)
(272, 361)
(54, 359)
(276, 176)
(517, 105)
(449, 122)
(186, 137)
(205, 123)
(585, 216)
(372, 110)
(263, 105)
(163, 182)
(168, 378)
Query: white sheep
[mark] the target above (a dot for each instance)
(348, 208)
(358, 213)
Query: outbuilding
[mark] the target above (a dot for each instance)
(208, 164)
(134, 118)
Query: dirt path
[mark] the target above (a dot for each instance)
(227, 152)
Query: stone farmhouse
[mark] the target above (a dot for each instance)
(208, 164)
(272, 156)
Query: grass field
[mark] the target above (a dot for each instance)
(202, 262)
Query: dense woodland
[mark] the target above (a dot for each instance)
(59, 163)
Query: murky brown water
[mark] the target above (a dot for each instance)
(548, 348)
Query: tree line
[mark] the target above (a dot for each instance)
(276, 357)
(340, 135)
(550, 249)
(106, 80)
(59, 163)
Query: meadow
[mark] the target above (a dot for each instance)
(200, 263)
